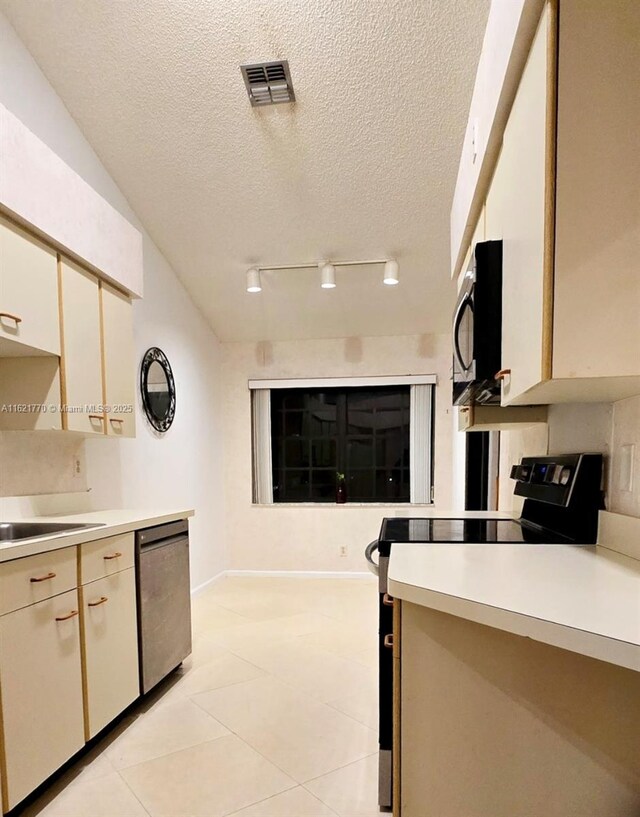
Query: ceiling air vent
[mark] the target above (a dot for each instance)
(268, 83)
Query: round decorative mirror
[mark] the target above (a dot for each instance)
(158, 389)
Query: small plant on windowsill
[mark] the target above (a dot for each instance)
(341, 488)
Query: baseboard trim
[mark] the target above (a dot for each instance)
(209, 583)
(303, 574)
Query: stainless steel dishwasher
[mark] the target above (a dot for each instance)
(164, 600)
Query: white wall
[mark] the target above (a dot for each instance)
(183, 468)
(281, 537)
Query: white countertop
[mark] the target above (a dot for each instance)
(581, 598)
(111, 523)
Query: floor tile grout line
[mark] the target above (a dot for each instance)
(288, 774)
(345, 766)
(142, 805)
(304, 693)
(175, 751)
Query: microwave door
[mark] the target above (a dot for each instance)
(463, 337)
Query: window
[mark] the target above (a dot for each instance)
(379, 437)
(362, 433)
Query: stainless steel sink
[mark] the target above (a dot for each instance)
(18, 531)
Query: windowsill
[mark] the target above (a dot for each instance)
(343, 505)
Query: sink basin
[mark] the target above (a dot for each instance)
(18, 531)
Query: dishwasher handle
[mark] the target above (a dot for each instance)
(170, 530)
(162, 543)
(371, 548)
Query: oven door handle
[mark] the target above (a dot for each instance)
(368, 553)
(456, 326)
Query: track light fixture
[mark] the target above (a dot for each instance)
(327, 270)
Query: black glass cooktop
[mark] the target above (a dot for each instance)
(464, 530)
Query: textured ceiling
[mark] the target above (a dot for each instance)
(363, 165)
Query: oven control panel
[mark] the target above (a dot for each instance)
(552, 479)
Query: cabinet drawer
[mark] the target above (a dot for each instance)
(111, 648)
(104, 557)
(35, 578)
(41, 679)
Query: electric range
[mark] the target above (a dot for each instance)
(562, 499)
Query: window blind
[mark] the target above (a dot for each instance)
(420, 443)
(261, 423)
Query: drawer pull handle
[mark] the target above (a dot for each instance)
(387, 600)
(68, 616)
(115, 555)
(100, 601)
(388, 641)
(36, 579)
(502, 374)
(10, 317)
(96, 417)
(116, 420)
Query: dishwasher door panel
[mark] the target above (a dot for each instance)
(164, 598)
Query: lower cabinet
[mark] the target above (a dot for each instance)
(68, 656)
(499, 725)
(110, 646)
(41, 684)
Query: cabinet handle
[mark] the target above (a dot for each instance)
(96, 417)
(35, 579)
(115, 555)
(116, 420)
(502, 374)
(387, 600)
(101, 600)
(10, 317)
(388, 641)
(68, 616)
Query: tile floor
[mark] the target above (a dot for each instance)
(274, 714)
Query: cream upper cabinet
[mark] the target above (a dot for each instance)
(519, 199)
(110, 647)
(118, 359)
(41, 682)
(564, 200)
(596, 315)
(29, 319)
(66, 339)
(82, 391)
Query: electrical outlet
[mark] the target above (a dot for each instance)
(343, 550)
(77, 466)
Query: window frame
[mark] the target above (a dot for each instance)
(422, 435)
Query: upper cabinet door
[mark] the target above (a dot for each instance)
(521, 213)
(82, 391)
(119, 373)
(29, 319)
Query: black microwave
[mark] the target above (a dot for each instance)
(477, 328)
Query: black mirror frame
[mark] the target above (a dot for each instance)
(155, 355)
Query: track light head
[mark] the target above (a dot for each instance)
(391, 273)
(253, 280)
(327, 276)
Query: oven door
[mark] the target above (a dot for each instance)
(464, 367)
(385, 689)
